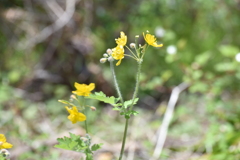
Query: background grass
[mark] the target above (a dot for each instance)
(35, 74)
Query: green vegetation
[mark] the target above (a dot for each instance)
(201, 43)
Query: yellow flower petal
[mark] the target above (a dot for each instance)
(151, 40)
(75, 116)
(91, 86)
(118, 54)
(6, 145)
(157, 45)
(2, 138)
(3, 143)
(119, 62)
(77, 85)
(83, 89)
(122, 40)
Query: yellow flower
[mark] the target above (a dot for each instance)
(151, 40)
(75, 115)
(118, 54)
(83, 89)
(122, 40)
(3, 143)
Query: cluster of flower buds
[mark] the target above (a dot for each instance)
(86, 139)
(5, 153)
(107, 56)
(118, 53)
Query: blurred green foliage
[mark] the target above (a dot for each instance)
(204, 34)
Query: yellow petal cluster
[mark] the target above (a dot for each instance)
(151, 40)
(3, 142)
(83, 89)
(118, 54)
(75, 116)
(122, 40)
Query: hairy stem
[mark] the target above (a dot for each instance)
(84, 112)
(116, 82)
(137, 83)
(127, 119)
(124, 139)
(86, 128)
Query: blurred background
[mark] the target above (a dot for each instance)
(47, 45)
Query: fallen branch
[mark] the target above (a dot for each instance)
(57, 25)
(163, 129)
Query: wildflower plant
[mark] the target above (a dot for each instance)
(77, 114)
(125, 108)
(4, 154)
(137, 52)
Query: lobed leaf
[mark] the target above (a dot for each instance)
(129, 102)
(73, 143)
(102, 97)
(96, 146)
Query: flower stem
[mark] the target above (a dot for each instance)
(127, 119)
(122, 101)
(86, 128)
(130, 56)
(144, 50)
(84, 112)
(116, 83)
(124, 139)
(136, 57)
(137, 83)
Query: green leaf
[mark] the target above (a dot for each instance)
(127, 114)
(73, 143)
(102, 97)
(96, 146)
(126, 104)
(199, 86)
(129, 102)
(203, 58)
(117, 109)
(89, 156)
(225, 66)
(229, 50)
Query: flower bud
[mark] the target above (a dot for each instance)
(93, 108)
(109, 51)
(105, 55)
(132, 45)
(110, 59)
(5, 153)
(103, 60)
(72, 97)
